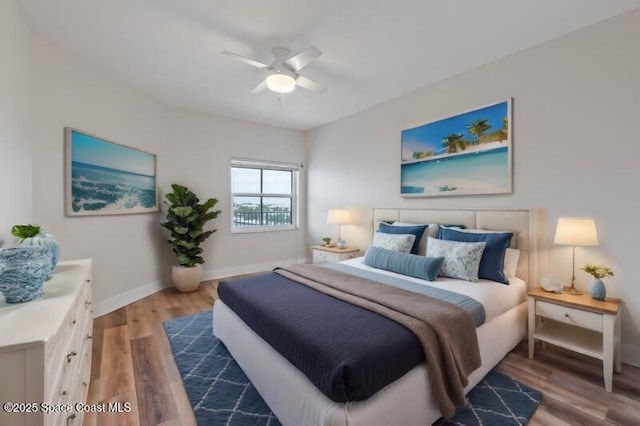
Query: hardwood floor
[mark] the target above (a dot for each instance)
(132, 362)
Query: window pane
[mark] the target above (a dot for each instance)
(245, 180)
(276, 211)
(277, 181)
(246, 211)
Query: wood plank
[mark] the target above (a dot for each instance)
(116, 370)
(155, 399)
(122, 418)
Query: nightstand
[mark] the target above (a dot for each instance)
(322, 254)
(578, 323)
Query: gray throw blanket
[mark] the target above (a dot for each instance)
(446, 331)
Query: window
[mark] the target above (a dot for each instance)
(264, 196)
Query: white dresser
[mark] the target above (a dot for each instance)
(45, 351)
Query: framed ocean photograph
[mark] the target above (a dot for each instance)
(103, 177)
(466, 154)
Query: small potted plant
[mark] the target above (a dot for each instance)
(186, 218)
(597, 290)
(326, 241)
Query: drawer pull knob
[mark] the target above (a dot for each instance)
(566, 315)
(74, 321)
(71, 417)
(71, 354)
(64, 392)
(88, 303)
(89, 336)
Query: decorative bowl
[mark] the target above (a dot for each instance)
(23, 271)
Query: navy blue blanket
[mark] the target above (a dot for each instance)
(348, 353)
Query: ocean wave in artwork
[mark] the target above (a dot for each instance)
(97, 189)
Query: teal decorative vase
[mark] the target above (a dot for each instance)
(597, 290)
(46, 240)
(23, 271)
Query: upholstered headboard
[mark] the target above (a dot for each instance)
(525, 222)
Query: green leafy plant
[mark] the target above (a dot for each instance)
(186, 218)
(25, 231)
(326, 240)
(597, 271)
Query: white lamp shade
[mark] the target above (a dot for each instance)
(281, 83)
(338, 217)
(576, 231)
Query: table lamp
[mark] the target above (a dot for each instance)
(339, 217)
(576, 231)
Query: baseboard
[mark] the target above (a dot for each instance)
(250, 269)
(124, 299)
(631, 354)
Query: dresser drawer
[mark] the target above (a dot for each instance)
(572, 316)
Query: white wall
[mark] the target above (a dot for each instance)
(68, 91)
(576, 126)
(131, 257)
(201, 148)
(15, 140)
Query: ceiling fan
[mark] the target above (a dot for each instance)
(282, 73)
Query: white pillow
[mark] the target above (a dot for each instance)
(511, 257)
(461, 260)
(395, 242)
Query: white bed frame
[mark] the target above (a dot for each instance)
(408, 400)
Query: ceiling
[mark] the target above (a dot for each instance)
(374, 50)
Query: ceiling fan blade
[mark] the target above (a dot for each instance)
(304, 58)
(244, 59)
(260, 87)
(309, 84)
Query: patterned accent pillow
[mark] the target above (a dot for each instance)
(395, 242)
(461, 260)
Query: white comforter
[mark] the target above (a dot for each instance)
(496, 298)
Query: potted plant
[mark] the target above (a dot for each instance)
(597, 290)
(186, 218)
(326, 241)
(32, 235)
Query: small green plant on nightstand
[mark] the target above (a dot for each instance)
(597, 271)
(597, 290)
(326, 241)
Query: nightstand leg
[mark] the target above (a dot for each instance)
(532, 325)
(608, 339)
(617, 362)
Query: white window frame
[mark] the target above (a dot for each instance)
(267, 165)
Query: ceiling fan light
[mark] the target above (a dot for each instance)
(281, 83)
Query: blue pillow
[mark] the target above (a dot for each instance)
(448, 226)
(492, 262)
(412, 265)
(416, 230)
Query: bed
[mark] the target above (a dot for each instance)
(409, 400)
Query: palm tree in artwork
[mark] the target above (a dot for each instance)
(504, 132)
(454, 141)
(477, 128)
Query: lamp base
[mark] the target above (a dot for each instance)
(572, 290)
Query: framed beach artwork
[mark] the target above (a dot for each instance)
(103, 177)
(467, 154)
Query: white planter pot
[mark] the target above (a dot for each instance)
(186, 278)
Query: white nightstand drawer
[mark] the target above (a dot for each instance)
(321, 256)
(577, 317)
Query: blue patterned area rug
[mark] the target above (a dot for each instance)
(221, 394)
